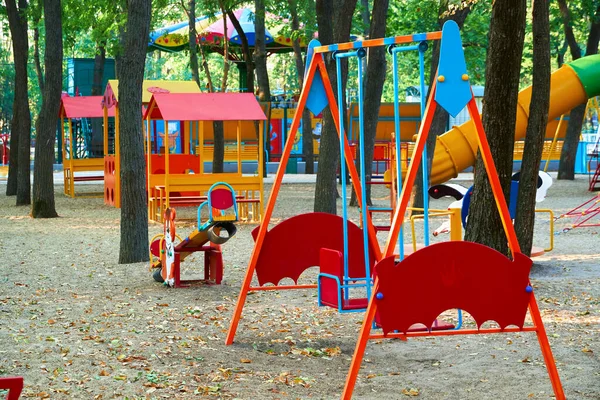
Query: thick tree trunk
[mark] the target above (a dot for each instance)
(191, 11)
(374, 79)
(566, 165)
(340, 23)
(20, 138)
(307, 136)
(536, 126)
(134, 210)
(43, 179)
(503, 65)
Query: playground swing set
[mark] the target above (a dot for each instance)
(500, 293)
(217, 215)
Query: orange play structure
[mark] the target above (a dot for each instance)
(180, 179)
(82, 109)
(451, 271)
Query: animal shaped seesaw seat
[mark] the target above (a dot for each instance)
(220, 216)
(415, 289)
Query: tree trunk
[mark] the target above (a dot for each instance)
(439, 124)
(245, 51)
(503, 65)
(260, 52)
(43, 179)
(97, 149)
(374, 79)
(568, 154)
(307, 136)
(340, 23)
(134, 210)
(99, 61)
(20, 137)
(536, 126)
(193, 35)
(219, 147)
(36, 54)
(364, 14)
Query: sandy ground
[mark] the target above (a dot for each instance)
(77, 325)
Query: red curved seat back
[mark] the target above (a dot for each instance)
(294, 245)
(449, 275)
(221, 199)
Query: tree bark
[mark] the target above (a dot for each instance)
(134, 210)
(503, 65)
(536, 126)
(374, 80)
(36, 53)
(260, 52)
(97, 149)
(329, 22)
(245, 51)
(193, 35)
(568, 154)
(20, 137)
(43, 180)
(307, 135)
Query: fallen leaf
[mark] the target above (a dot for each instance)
(410, 392)
(245, 360)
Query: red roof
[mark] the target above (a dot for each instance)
(205, 107)
(83, 107)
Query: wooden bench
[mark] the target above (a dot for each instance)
(248, 208)
(74, 166)
(249, 152)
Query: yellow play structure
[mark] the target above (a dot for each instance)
(78, 156)
(180, 178)
(112, 158)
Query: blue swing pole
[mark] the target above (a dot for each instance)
(363, 184)
(394, 51)
(422, 48)
(340, 94)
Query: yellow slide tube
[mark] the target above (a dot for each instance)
(456, 149)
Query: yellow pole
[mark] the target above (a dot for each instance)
(455, 225)
(71, 140)
(117, 160)
(260, 168)
(149, 163)
(239, 147)
(186, 144)
(201, 146)
(167, 150)
(560, 122)
(105, 128)
(64, 152)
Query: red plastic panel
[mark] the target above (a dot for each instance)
(332, 263)
(449, 275)
(14, 384)
(293, 245)
(221, 199)
(178, 163)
